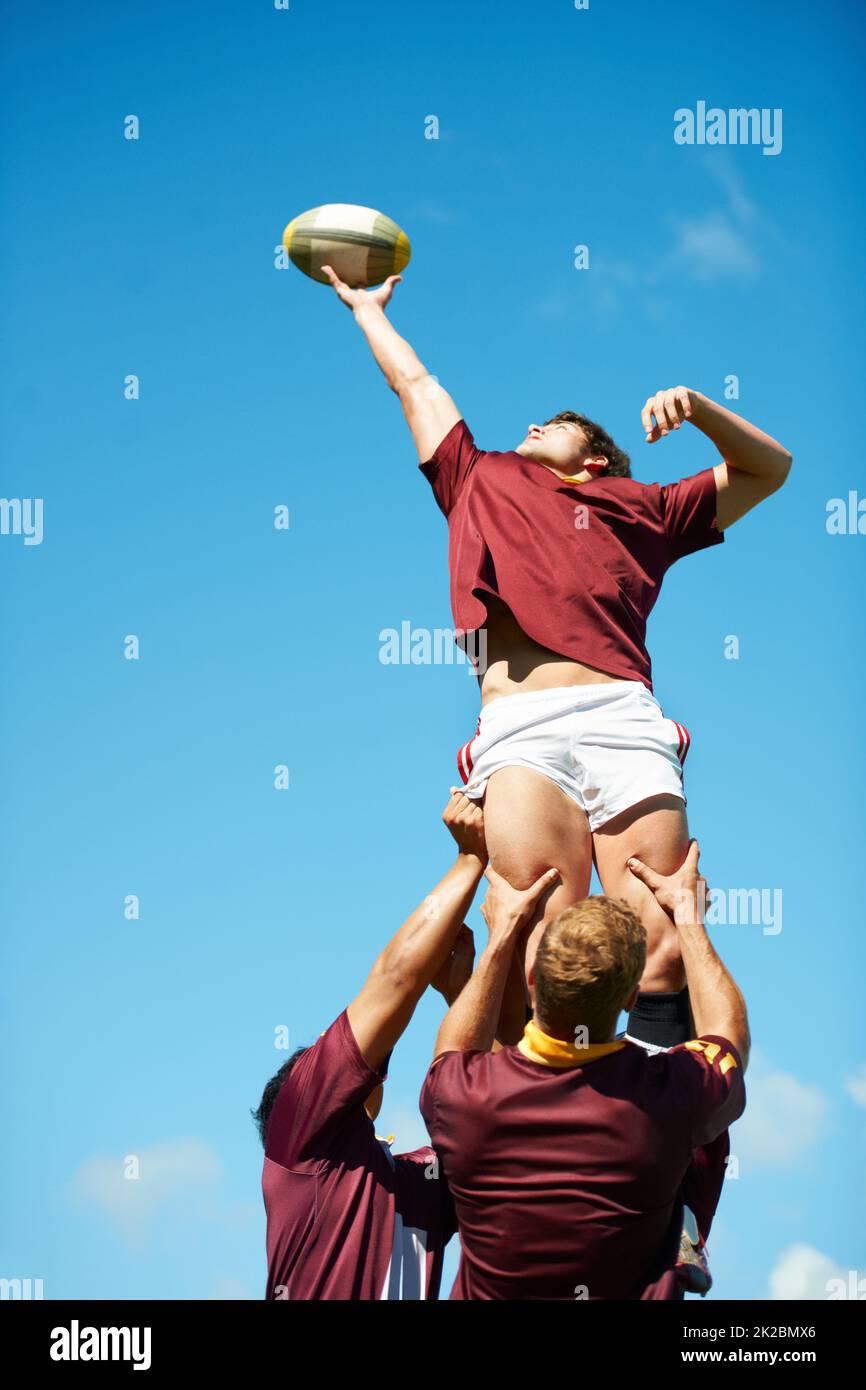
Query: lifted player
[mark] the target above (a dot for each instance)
(558, 554)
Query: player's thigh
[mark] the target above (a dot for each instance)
(531, 825)
(656, 831)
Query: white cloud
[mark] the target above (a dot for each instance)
(783, 1120)
(717, 244)
(434, 212)
(801, 1271)
(712, 247)
(739, 203)
(229, 1290)
(180, 1168)
(856, 1086)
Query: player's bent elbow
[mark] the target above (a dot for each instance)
(395, 973)
(410, 386)
(781, 471)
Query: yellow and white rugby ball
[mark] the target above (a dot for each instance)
(362, 245)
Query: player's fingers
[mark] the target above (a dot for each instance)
(694, 854)
(685, 401)
(646, 416)
(644, 873)
(538, 889)
(661, 414)
(449, 815)
(674, 409)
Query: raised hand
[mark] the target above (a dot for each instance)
(666, 411)
(457, 970)
(356, 298)
(507, 910)
(683, 895)
(465, 821)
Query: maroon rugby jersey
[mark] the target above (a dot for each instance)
(579, 565)
(346, 1218)
(569, 1179)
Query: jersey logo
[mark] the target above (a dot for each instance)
(711, 1052)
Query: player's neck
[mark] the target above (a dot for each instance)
(560, 1035)
(583, 477)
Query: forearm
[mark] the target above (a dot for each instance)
(512, 1010)
(470, 1024)
(716, 1001)
(398, 361)
(742, 446)
(424, 942)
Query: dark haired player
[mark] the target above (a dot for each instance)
(557, 554)
(346, 1218)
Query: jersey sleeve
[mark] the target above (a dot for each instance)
(689, 514)
(709, 1085)
(425, 1199)
(450, 466)
(325, 1089)
(453, 1087)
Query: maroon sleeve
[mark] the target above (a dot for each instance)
(708, 1073)
(689, 514)
(450, 466)
(424, 1197)
(450, 1086)
(326, 1087)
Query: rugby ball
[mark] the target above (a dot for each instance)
(362, 245)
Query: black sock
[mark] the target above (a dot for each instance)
(662, 1020)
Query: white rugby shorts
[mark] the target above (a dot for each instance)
(606, 745)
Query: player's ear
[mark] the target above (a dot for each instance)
(631, 1001)
(596, 466)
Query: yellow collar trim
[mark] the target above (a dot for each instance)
(571, 477)
(556, 1052)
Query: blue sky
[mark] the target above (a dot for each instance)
(259, 647)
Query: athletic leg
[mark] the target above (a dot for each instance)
(531, 825)
(656, 831)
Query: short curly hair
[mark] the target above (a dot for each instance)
(598, 439)
(262, 1114)
(588, 962)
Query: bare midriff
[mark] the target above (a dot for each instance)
(515, 664)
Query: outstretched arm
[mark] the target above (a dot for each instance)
(470, 1023)
(717, 1004)
(429, 410)
(422, 947)
(754, 464)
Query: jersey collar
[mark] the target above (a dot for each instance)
(540, 1047)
